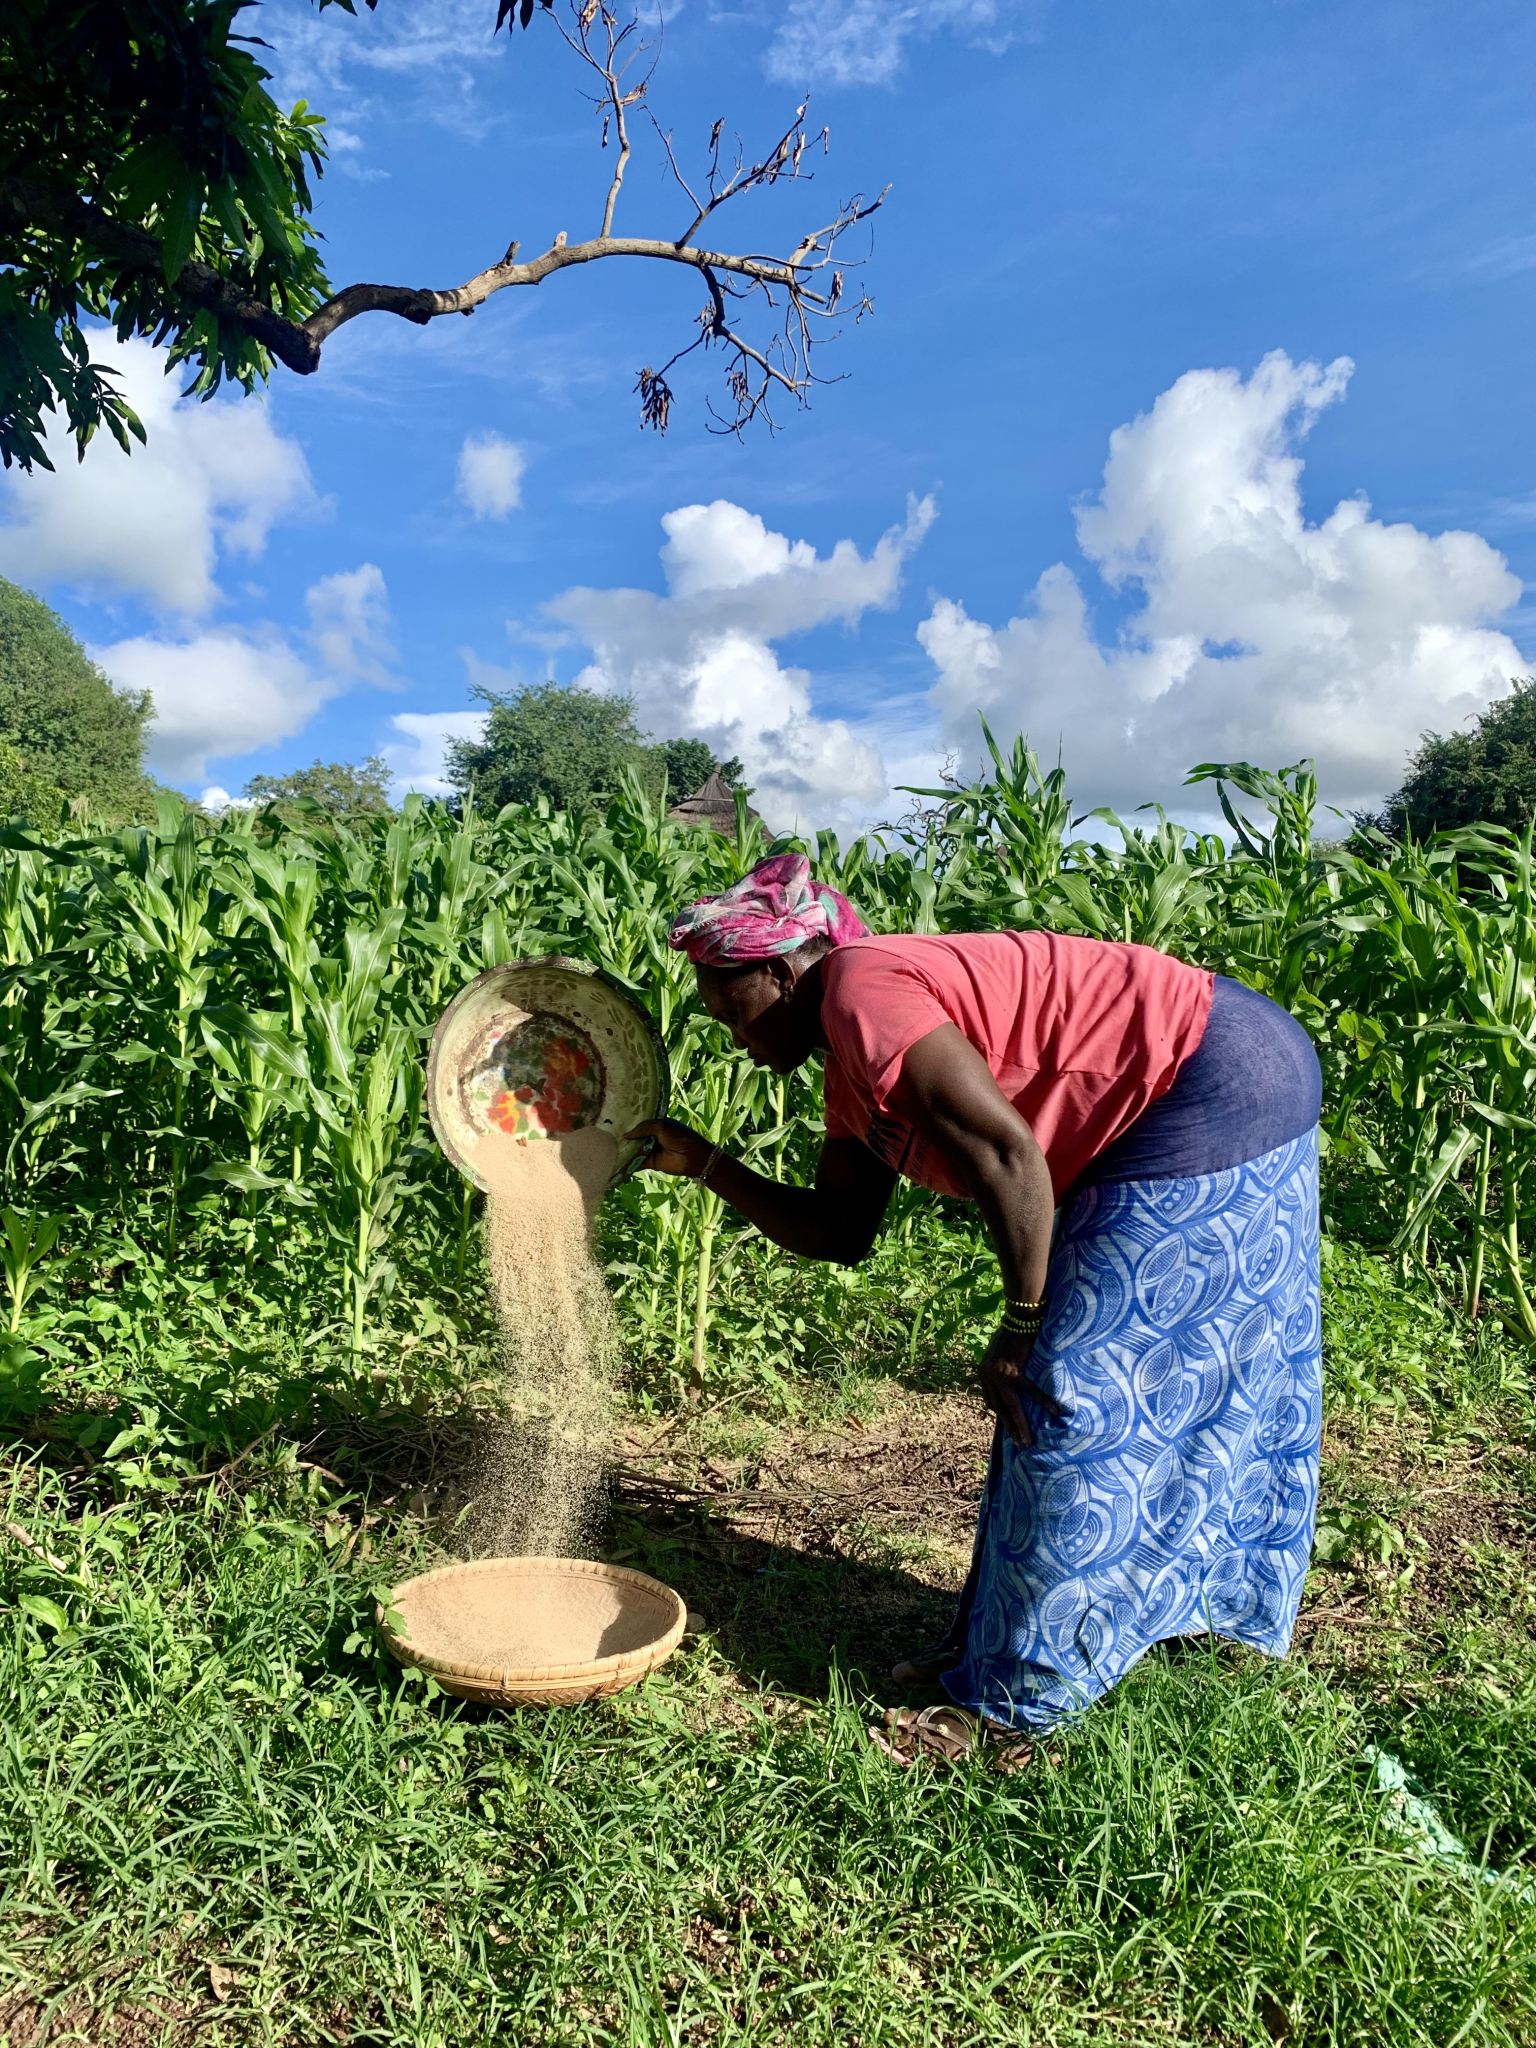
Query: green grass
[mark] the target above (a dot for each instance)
(207, 1767)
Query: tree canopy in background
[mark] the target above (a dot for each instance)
(346, 789)
(688, 765)
(568, 745)
(149, 179)
(1483, 777)
(571, 746)
(68, 730)
(27, 796)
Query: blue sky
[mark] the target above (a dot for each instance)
(1282, 252)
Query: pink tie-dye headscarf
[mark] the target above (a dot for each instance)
(772, 910)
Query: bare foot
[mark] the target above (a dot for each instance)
(925, 1666)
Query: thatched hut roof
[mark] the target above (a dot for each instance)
(714, 805)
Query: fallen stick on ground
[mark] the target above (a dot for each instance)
(19, 1535)
(307, 1465)
(223, 1471)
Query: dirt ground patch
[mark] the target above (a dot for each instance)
(860, 1536)
(845, 1544)
(1460, 1523)
(833, 1546)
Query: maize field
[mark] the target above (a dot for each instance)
(212, 1040)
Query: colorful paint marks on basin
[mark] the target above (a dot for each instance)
(543, 1078)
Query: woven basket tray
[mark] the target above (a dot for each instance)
(515, 1631)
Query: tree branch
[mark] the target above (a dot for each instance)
(422, 306)
(605, 44)
(613, 100)
(25, 205)
(782, 161)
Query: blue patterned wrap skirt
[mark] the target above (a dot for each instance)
(1176, 1490)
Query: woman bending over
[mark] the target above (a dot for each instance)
(1140, 1137)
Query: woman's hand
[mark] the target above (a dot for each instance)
(675, 1148)
(1004, 1376)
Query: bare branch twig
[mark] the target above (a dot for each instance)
(614, 100)
(790, 288)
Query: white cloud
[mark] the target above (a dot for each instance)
(419, 760)
(217, 694)
(863, 42)
(1257, 636)
(700, 661)
(444, 48)
(226, 691)
(213, 479)
(152, 524)
(416, 37)
(490, 475)
(349, 624)
(1511, 256)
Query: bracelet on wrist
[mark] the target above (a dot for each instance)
(709, 1166)
(1024, 1318)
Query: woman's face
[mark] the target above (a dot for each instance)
(756, 1005)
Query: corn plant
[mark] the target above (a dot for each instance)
(369, 1105)
(27, 1242)
(165, 904)
(1440, 989)
(212, 1033)
(992, 847)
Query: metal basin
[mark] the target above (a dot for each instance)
(539, 1048)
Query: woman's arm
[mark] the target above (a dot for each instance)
(948, 1094)
(835, 1220)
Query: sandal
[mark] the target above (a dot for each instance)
(948, 1735)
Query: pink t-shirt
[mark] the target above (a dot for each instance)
(1081, 1035)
